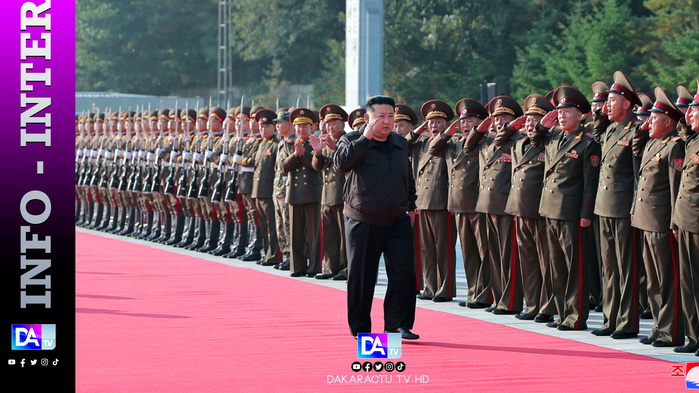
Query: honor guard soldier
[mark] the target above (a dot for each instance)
(239, 122)
(263, 187)
(463, 173)
(98, 142)
(405, 121)
(523, 203)
(356, 119)
(567, 201)
(495, 184)
(303, 194)
(189, 123)
(686, 217)
(613, 207)
(285, 131)
(333, 250)
(662, 159)
(437, 226)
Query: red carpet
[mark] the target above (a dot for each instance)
(150, 320)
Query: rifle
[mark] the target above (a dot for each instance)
(192, 187)
(204, 186)
(170, 181)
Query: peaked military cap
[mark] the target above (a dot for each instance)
(218, 113)
(303, 116)
(127, 115)
(567, 96)
(600, 91)
(467, 107)
(664, 105)
(188, 115)
(356, 117)
(404, 112)
(684, 97)
(436, 109)
(504, 105)
(696, 97)
(265, 116)
(646, 104)
(203, 113)
(246, 112)
(164, 113)
(623, 86)
(536, 104)
(549, 97)
(175, 114)
(333, 112)
(283, 115)
(153, 115)
(254, 110)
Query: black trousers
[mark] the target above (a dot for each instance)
(365, 244)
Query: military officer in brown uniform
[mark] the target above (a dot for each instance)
(686, 217)
(303, 194)
(356, 119)
(613, 206)
(495, 185)
(263, 187)
(334, 249)
(659, 181)
(285, 130)
(463, 194)
(405, 121)
(437, 226)
(567, 201)
(523, 204)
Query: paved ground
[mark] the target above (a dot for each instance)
(594, 320)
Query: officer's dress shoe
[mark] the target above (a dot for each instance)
(439, 299)
(602, 332)
(311, 275)
(552, 324)
(489, 309)
(525, 317)
(297, 274)
(340, 277)
(323, 276)
(477, 305)
(646, 340)
(283, 266)
(622, 335)
(500, 311)
(646, 315)
(684, 349)
(251, 257)
(423, 297)
(661, 344)
(543, 318)
(405, 333)
(268, 263)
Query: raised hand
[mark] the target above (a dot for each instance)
(316, 143)
(422, 128)
(646, 125)
(518, 123)
(452, 128)
(368, 130)
(299, 149)
(485, 125)
(550, 119)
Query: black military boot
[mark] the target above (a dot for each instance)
(178, 229)
(187, 232)
(224, 245)
(214, 234)
(200, 236)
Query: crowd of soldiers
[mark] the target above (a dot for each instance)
(560, 205)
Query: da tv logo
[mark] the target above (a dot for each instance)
(378, 345)
(33, 337)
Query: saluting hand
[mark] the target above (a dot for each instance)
(550, 119)
(422, 128)
(518, 123)
(368, 130)
(646, 125)
(452, 128)
(485, 125)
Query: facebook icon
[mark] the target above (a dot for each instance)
(378, 345)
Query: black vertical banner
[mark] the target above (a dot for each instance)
(37, 236)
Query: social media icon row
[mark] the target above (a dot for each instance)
(378, 367)
(31, 362)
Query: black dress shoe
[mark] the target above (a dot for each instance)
(525, 317)
(323, 276)
(543, 318)
(462, 304)
(477, 305)
(439, 299)
(661, 344)
(646, 340)
(552, 324)
(423, 297)
(251, 257)
(268, 263)
(564, 327)
(297, 274)
(500, 311)
(311, 275)
(405, 333)
(646, 315)
(340, 277)
(598, 308)
(284, 266)
(684, 349)
(622, 335)
(489, 309)
(602, 332)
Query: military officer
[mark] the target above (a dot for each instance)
(659, 181)
(356, 119)
(523, 203)
(285, 131)
(686, 217)
(334, 250)
(613, 206)
(567, 202)
(463, 175)
(303, 194)
(495, 185)
(437, 226)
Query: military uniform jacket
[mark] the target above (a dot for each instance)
(265, 160)
(658, 183)
(494, 171)
(616, 178)
(333, 182)
(246, 164)
(462, 172)
(571, 174)
(687, 205)
(431, 179)
(527, 177)
(304, 184)
(285, 149)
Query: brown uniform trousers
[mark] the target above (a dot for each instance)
(570, 184)
(262, 192)
(686, 218)
(470, 224)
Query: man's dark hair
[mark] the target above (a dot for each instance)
(379, 100)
